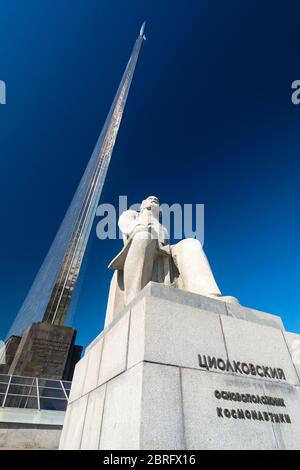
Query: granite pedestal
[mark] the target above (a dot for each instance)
(176, 370)
(44, 350)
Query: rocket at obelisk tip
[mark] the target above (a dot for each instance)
(143, 30)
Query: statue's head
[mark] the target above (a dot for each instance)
(151, 203)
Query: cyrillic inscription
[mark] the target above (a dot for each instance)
(254, 415)
(237, 367)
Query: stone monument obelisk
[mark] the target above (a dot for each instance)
(179, 366)
(39, 344)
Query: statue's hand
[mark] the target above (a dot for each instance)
(164, 249)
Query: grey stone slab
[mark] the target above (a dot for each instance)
(287, 435)
(205, 430)
(213, 305)
(143, 409)
(154, 289)
(136, 343)
(259, 345)
(169, 333)
(93, 419)
(161, 417)
(114, 353)
(122, 411)
(21, 437)
(293, 343)
(79, 379)
(93, 368)
(255, 316)
(4, 438)
(145, 292)
(103, 333)
(73, 425)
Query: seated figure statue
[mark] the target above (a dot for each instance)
(148, 256)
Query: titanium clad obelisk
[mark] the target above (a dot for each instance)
(50, 296)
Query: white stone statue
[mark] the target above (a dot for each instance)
(148, 256)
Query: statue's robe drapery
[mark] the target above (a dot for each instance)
(164, 271)
(183, 265)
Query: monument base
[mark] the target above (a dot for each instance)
(30, 429)
(44, 350)
(176, 370)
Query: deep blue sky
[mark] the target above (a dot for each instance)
(209, 120)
